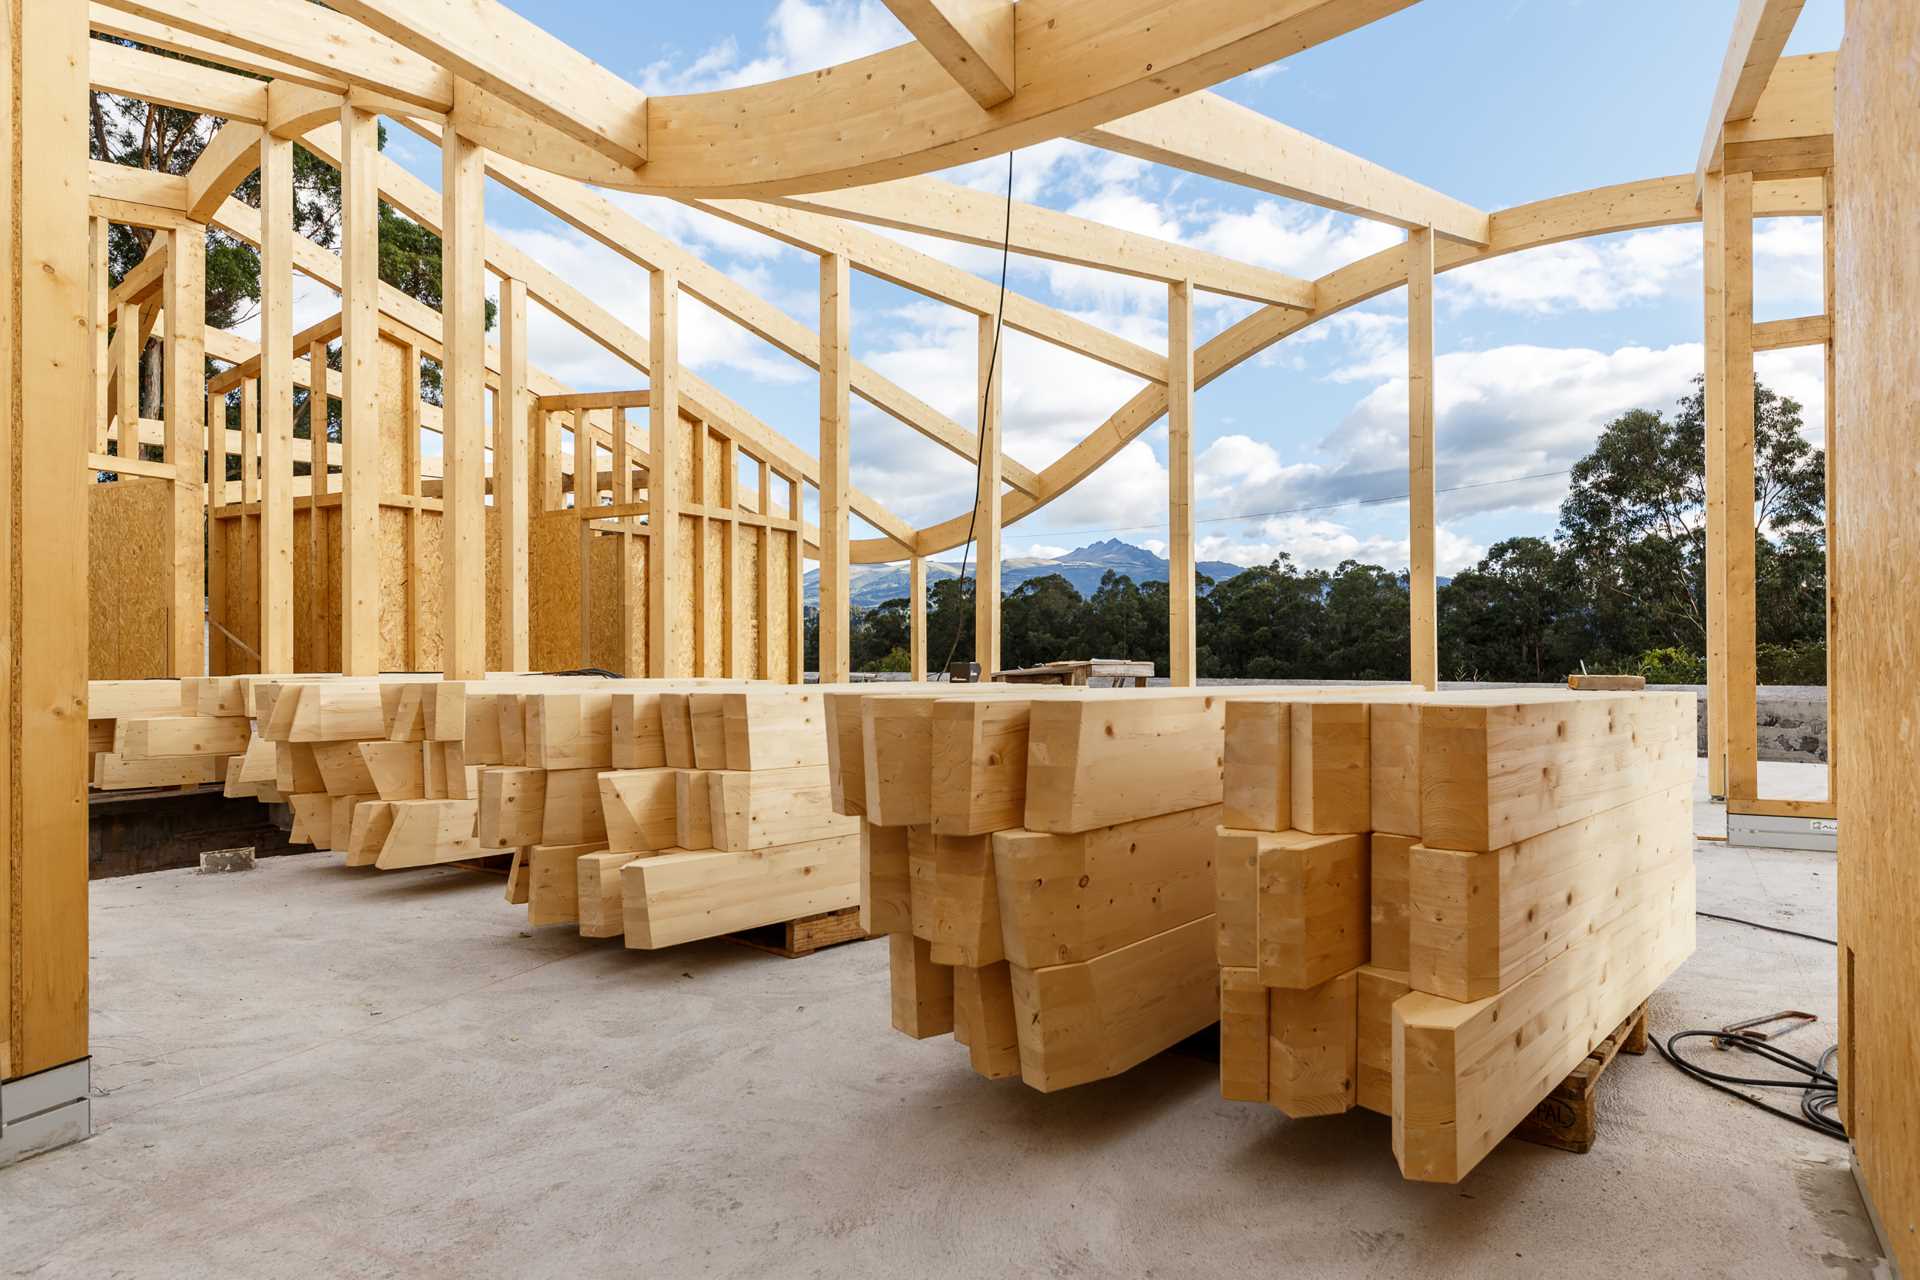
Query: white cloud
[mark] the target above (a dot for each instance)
(1322, 543)
(1295, 238)
(801, 36)
(1599, 274)
(1501, 415)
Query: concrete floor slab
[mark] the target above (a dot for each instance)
(305, 1070)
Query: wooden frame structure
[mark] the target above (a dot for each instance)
(548, 527)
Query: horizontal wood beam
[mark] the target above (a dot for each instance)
(1210, 135)
(1800, 331)
(170, 82)
(932, 207)
(972, 40)
(329, 45)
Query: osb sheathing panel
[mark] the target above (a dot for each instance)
(1876, 513)
(128, 531)
(394, 391)
(394, 575)
(681, 618)
(553, 593)
(780, 573)
(719, 588)
(747, 570)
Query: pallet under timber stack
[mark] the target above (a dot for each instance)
(1042, 863)
(1435, 906)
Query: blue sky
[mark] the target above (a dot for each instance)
(1497, 102)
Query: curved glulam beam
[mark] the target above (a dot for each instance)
(227, 161)
(1655, 202)
(891, 115)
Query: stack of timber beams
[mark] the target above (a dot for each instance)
(1042, 863)
(720, 820)
(1433, 906)
(164, 733)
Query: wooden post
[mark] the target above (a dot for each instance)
(44, 436)
(796, 583)
(917, 618)
(421, 596)
(1828, 240)
(666, 553)
(276, 418)
(463, 528)
(126, 406)
(1742, 728)
(763, 576)
(185, 407)
(730, 657)
(511, 493)
(98, 292)
(835, 408)
(250, 443)
(1182, 639)
(1422, 591)
(1713, 223)
(632, 657)
(359, 393)
(986, 508)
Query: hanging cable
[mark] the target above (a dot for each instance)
(986, 395)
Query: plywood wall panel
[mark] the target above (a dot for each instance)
(1876, 539)
(127, 597)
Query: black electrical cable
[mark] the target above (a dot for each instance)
(1770, 928)
(1818, 1087)
(986, 394)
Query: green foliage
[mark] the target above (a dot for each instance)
(1804, 663)
(1672, 666)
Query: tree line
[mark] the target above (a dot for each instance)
(1620, 585)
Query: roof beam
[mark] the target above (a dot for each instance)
(1207, 134)
(592, 213)
(888, 259)
(170, 82)
(164, 35)
(329, 44)
(509, 57)
(932, 207)
(972, 40)
(1760, 31)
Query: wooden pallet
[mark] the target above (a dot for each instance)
(806, 935)
(1566, 1118)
